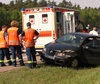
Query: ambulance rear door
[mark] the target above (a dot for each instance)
(44, 25)
(69, 22)
(43, 22)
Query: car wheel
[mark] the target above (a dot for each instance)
(75, 63)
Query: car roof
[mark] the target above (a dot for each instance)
(83, 34)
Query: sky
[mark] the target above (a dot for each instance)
(82, 3)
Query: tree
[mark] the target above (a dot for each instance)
(65, 4)
(29, 3)
(16, 15)
(18, 4)
(11, 5)
(4, 17)
(42, 3)
(35, 3)
(51, 3)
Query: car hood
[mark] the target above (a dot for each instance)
(60, 46)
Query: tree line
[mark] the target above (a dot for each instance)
(12, 11)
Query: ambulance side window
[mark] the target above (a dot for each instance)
(31, 16)
(44, 18)
(32, 19)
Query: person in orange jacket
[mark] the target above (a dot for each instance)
(14, 43)
(4, 48)
(29, 35)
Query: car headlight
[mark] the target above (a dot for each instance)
(69, 51)
(66, 54)
(58, 53)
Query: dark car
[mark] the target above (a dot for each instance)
(73, 49)
(98, 31)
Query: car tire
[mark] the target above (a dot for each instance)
(75, 63)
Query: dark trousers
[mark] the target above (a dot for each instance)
(4, 52)
(31, 56)
(16, 50)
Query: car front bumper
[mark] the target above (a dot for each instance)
(59, 60)
(62, 60)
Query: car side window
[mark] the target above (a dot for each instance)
(64, 38)
(93, 42)
(96, 43)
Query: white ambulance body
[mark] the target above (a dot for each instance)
(51, 22)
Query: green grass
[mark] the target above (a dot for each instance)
(51, 75)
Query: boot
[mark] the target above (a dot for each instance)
(22, 63)
(10, 63)
(14, 63)
(1, 65)
(34, 65)
(30, 65)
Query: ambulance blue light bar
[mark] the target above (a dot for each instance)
(23, 9)
(51, 6)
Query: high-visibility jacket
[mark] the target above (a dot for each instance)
(13, 38)
(3, 43)
(29, 37)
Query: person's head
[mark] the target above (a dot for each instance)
(14, 23)
(94, 28)
(79, 21)
(28, 24)
(4, 28)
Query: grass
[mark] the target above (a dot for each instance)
(51, 75)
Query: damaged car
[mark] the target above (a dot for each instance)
(73, 49)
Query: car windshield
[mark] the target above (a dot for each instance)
(71, 39)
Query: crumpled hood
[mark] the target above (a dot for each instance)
(60, 46)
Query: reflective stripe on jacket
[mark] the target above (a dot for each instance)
(3, 43)
(13, 38)
(29, 37)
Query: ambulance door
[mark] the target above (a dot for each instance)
(59, 23)
(44, 27)
(29, 18)
(36, 24)
(33, 18)
(69, 22)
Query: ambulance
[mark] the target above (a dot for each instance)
(51, 22)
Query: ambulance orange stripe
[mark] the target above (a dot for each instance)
(47, 34)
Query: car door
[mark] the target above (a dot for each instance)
(96, 46)
(92, 50)
(88, 51)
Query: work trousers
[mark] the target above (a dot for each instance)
(31, 56)
(4, 52)
(16, 50)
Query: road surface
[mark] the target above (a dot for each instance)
(8, 68)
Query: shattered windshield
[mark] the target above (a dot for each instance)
(71, 39)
